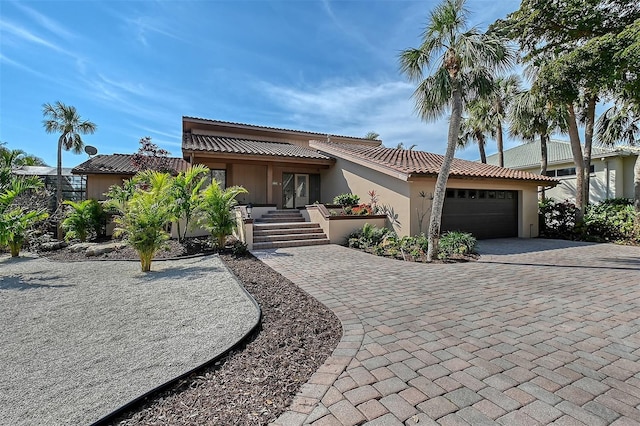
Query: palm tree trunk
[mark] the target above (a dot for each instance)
(588, 143)
(544, 158)
(636, 184)
(500, 144)
(481, 144)
(59, 186)
(440, 190)
(576, 150)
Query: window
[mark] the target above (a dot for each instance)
(220, 175)
(569, 171)
(451, 193)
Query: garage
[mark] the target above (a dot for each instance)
(484, 213)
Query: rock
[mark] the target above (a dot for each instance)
(99, 249)
(52, 245)
(76, 248)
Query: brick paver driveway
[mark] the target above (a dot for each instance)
(536, 332)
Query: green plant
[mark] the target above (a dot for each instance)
(187, 195)
(456, 243)
(239, 248)
(215, 210)
(82, 219)
(16, 221)
(610, 220)
(346, 199)
(146, 214)
(559, 218)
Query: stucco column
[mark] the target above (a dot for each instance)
(270, 184)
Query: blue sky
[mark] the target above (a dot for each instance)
(136, 67)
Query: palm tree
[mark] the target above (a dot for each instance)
(401, 146)
(504, 90)
(533, 115)
(63, 119)
(477, 126)
(464, 61)
(17, 157)
(372, 136)
(621, 123)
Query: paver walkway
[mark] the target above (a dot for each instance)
(536, 332)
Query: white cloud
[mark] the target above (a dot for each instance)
(24, 34)
(355, 109)
(46, 22)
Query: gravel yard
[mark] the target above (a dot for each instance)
(80, 339)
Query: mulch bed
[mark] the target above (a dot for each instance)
(256, 383)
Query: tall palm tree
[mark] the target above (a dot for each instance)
(621, 123)
(17, 157)
(533, 115)
(477, 126)
(504, 90)
(64, 119)
(463, 61)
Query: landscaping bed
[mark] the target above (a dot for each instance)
(254, 384)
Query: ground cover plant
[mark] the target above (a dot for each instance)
(385, 242)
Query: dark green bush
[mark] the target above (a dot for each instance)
(559, 219)
(456, 243)
(610, 220)
(346, 199)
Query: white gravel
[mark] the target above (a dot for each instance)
(81, 339)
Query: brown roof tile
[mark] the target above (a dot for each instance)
(224, 144)
(412, 162)
(121, 164)
(253, 126)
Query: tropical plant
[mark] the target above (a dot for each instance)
(151, 157)
(187, 195)
(83, 219)
(463, 61)
(347, 199)
(146, 214)
(10, 158)
(477, 126)
(402, 146)
(215, 211)
(64, 119)
(500, 99)
(16, 221)
(372, 136)
(456, 243)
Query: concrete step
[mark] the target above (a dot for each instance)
(283, 244)
(283, 225)
(288, 237)
(288, 230)
(283, 219)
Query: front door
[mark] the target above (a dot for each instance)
(295, 190)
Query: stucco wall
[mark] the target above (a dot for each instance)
(629, 164)
(97, 185)
(393, 193)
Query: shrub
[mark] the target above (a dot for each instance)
(83, 219)
(559, 219)
(215, 211)
(456, 243)
(610, 220)
(346, 199)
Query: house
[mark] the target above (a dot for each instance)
(289, 169)
(73, 186)
(103, 171)
(612, 169)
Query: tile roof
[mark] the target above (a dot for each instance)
(528, 154)
(410, 162)
(121, 164)
(223, 144)
(253, 126)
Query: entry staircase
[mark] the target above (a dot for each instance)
(286, 228)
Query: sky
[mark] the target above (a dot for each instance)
(136, 67)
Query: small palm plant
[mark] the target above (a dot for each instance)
(145, 214)
(15, 221)
(82, 219)
(186, 192)
(215, 210)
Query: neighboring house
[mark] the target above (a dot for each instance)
(103, 171)
(290, 169)
(612, 169)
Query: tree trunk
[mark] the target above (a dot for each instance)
(588, 143)
(544, 158)
(636, 184)
(481, 144)
(576, 150)
(500, 144)
(441, 183)
(59, 186)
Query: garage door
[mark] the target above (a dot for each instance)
(485, 214)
